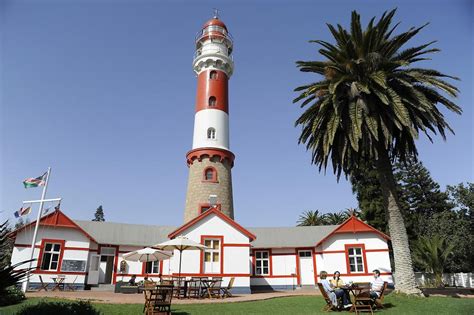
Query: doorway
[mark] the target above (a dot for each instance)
(106, 267)
(306, 267)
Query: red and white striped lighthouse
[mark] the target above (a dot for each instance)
(210, 161)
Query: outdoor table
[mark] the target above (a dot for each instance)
(58, 283)
(207, 283)
(362, 300)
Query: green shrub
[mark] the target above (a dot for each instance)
(12, 295)
(59, 308)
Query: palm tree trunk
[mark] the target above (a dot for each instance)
(404, 275)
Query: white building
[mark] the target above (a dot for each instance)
(90, 253)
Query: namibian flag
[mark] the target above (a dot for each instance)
(22, 212)
(35, 182)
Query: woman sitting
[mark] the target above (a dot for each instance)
(331, 291)
(337, 284)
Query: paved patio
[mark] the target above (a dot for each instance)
(120, 298)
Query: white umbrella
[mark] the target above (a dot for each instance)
(180, 243)
(147, 254)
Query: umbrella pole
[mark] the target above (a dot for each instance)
(180, 253)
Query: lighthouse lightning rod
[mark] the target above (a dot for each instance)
(33, 242)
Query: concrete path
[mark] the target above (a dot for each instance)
(120, 298)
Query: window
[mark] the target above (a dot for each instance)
(212, 101)
(211, 133)
(204, 208)
(262, 263)
(305, 253)
(212, 254)
(213, 75)
(152, 267)
(356, 263)
(210, 175)
(50, 259)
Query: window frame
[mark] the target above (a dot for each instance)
(220, 238)
(212, 101)
(256, 260)
(362, 255)
(211, 134)
(213, 75)
(214, 175)
(44, 242)
(145, 267)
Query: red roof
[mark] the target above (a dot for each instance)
(353, 225)
(214, 21)
(56, 219)
(203, 215)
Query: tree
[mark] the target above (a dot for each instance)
(99, 215)
(463, 199)
(371, 105)
(311, 218)
(9, 275)
(432, 253)
(335, 218)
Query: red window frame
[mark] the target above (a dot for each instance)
(151, 273)
(270, 262)
(214, 175)
(40, 255)
(364, 258)
(207, 205)
(221, 241)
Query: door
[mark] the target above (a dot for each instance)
(106, 264)
(93, 274)
(306, 267)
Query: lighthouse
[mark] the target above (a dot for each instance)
(210, 161)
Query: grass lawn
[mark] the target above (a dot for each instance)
(395, 304)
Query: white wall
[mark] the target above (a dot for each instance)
(207, 118)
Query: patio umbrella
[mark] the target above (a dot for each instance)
(180, 243)
(147, 254)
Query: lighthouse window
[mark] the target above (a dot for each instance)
(212, 101)
(211, 133)
(213, 75)
(210, 174)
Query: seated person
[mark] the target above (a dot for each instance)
(337, 284)
(147, 281)
(132, 280)
(332, 293)
(376, 285)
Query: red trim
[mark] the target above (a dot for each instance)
(217, 212)
(212, 274)
(275, 276)
(77, 248)
(221, 241)
(297, 259)
(364, 257)
(298, 270)
(214, 175)
(330, 252)
(353, 225)
(61, 253)
(376, 250)
(58, 219)
(46, 272)
(208, 206)
(160, 268)
(236, 245)
(114, 270)
(315, 269)
(200, 153)
(26, 245)
(280, 254)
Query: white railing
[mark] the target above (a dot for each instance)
(210, 52)
(460, 279)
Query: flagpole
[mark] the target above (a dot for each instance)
(33, 242)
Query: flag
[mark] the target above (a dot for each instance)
(35, 182)
(22, 212)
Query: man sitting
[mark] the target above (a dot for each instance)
(376, 285)
(132, 280)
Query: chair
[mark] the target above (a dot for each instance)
(214, 289)
(70, 286)
(194, 288)
(378, 302)
(179, 285)
(226, 291)
(44, 286)
(158, 301)
(329, 306)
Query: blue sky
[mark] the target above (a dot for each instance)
(103, 91)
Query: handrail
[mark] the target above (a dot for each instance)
(211, 52)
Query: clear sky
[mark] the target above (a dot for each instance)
(103, 92)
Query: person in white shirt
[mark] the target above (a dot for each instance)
(376, 285)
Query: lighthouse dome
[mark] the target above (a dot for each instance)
(214, 22)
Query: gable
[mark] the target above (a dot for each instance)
(206, 217)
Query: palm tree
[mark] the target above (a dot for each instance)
(311, 218)
(370, 106)
(335, 218)
(431, 253)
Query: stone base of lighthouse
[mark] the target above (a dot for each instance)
(200, 187)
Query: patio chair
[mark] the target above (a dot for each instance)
(159, 300)
(70, 286)
(194, 288)
(329, 306)
(215, 289)
(44, 286)
(226, 291)
(179, 287)
(378, 303)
